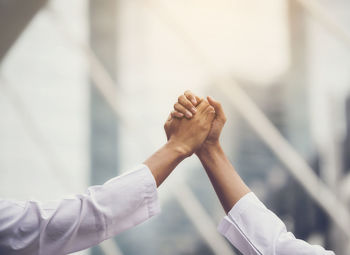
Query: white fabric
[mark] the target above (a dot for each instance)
(80, 222)
(254, 229)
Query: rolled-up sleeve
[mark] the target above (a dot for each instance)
(254, 229)
(79, 222)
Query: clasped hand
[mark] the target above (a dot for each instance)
(195, 123)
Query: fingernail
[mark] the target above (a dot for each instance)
(188, 114)
(193, 109)
(194, 101)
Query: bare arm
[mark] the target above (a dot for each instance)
(84, 220)
(249, 225)
(164, 161)
(228, 185)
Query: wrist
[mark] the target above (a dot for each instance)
(180, 149)
(208, 148)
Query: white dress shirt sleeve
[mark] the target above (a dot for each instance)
(79, 222)
(254, 229)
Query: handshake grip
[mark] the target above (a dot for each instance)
(189, 134)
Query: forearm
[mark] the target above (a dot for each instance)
(80, 221)
(163, 161)
(254, 229)
(228, 185)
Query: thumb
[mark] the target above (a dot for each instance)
(218, 108)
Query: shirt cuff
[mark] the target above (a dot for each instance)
(128, 200)
(233, 228)
(142, 176)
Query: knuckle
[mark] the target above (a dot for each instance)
(204, 103)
